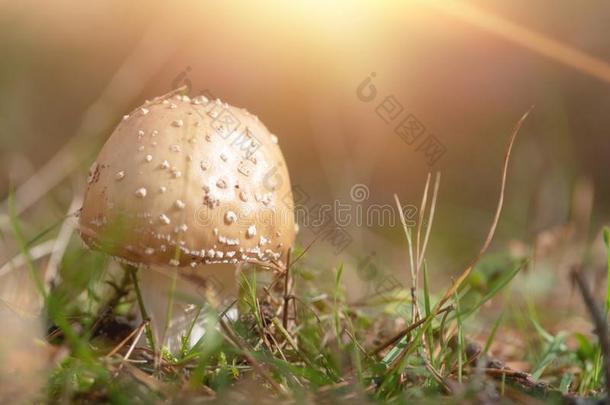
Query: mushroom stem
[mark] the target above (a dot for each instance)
(175, 301)
(133, 272)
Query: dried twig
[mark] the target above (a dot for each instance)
(120, 291)
(414, 306)
(291, 341)
(237, 342)
(286, 292)
(124, 341)
(458, 282)
(601, 324)
(407, 330)
(421, 254)
(139, 333)
(309, 246)
(492, 230)
(436, 374)
(422, 212)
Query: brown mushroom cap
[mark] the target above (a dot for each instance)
(187, 181)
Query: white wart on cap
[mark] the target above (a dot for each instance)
(188, 181)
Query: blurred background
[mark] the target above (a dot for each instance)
(374, 94)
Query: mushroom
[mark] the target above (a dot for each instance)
(190, 189)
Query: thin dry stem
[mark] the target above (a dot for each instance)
(236, 341)
(406, 331)
(458, 282)
(422, 212)
(420, 259)
(600, 322)
(286, 291)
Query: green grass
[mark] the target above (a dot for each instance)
(314, 343)
(325, 352)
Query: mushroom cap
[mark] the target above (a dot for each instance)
(189, 181)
